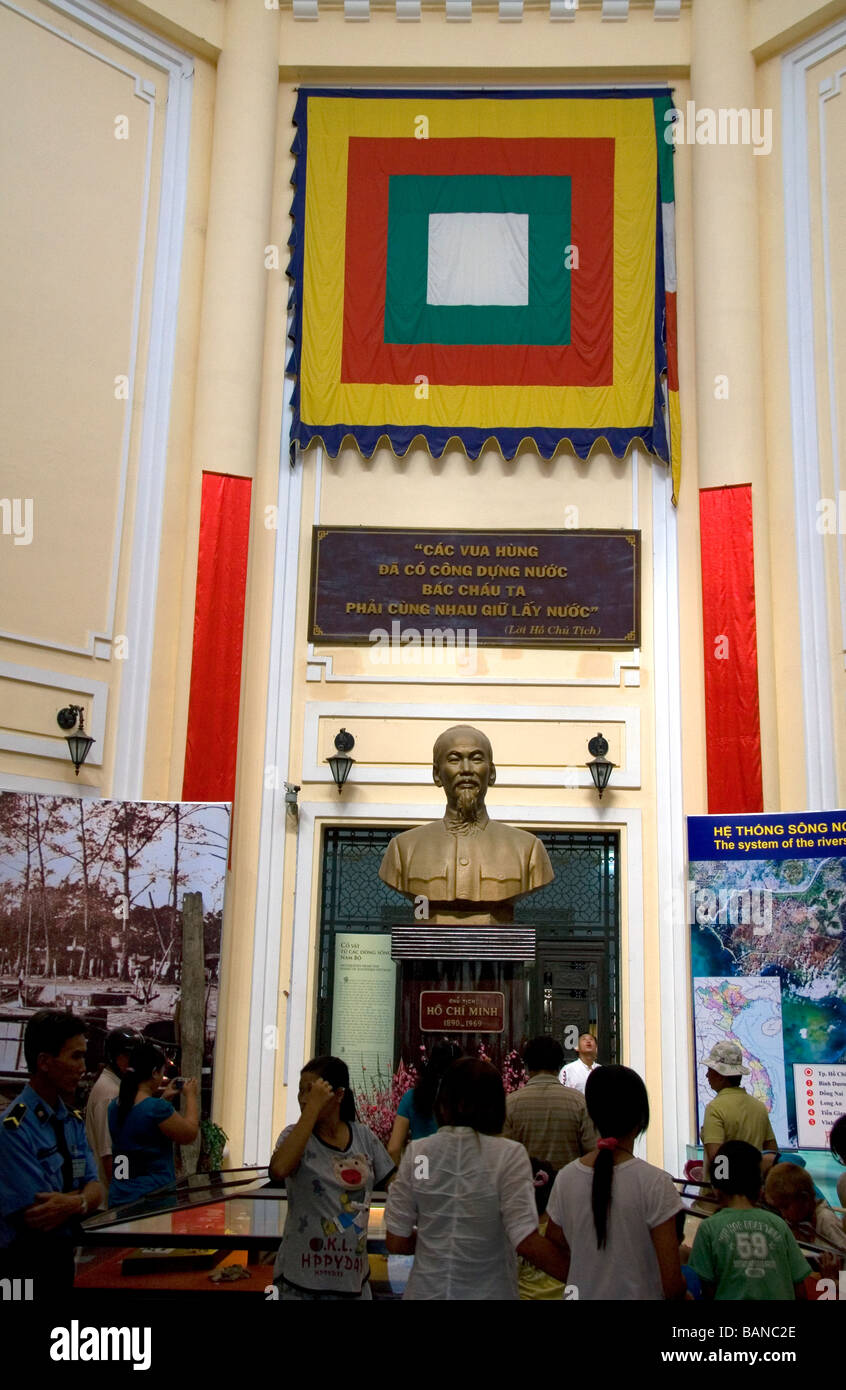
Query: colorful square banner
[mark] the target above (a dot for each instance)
(483, 269)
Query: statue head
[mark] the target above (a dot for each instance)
(462, 763)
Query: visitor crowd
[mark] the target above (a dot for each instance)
(537, 1195)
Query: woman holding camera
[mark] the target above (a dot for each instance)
(144, 1126)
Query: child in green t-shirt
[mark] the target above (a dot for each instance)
(743, 1252)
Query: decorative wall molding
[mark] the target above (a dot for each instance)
(626, 671)
(44, 786)
(273, 841)
(671, 845)
(314, 815)
(177, 69)
(40, 745)
(816, 657)
(353, 712)
(144, 91)
(830, 88)
(461, 11)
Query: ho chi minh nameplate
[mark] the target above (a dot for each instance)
(396, 589)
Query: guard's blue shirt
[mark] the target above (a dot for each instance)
(30, 1160)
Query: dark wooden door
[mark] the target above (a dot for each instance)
(572, 992)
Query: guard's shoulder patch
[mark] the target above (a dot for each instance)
(78, 1115)
(15, 1115)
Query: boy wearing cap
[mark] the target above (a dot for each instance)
(733, 1113)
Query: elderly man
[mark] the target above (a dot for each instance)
(549, 1120)
(466, 859)
(733, 1113)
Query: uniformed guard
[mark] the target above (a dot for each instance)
(48, 1177)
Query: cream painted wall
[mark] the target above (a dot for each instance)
(82, 205)
(774, 25)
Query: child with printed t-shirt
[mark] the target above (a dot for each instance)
(743, 1252)
(330, 1164)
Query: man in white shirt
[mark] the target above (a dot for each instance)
(576, 1073)
(119, 1044)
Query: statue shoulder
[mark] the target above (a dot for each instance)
(407, 839)
(524, 838)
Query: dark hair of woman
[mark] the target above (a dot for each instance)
(472, 1094)
(336, 1074)
(837, 1139)
(143, 1061)
(442, 1055)
(617, 1103)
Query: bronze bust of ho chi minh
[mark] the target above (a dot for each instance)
(469, 867)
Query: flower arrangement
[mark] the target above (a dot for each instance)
(377, 1102)
(513, 1069)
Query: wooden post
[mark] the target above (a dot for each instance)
(193, 1006)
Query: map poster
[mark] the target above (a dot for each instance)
(747, 1010)
(766, 904)
(364, 1007)
(820, 1101)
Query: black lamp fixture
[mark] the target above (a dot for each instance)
(599, 766)
(79, 742)
(340, 762)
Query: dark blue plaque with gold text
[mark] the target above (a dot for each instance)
(499, 588)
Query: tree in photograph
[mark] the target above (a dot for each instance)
(133, 826)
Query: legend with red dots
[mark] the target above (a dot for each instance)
(820, 1100)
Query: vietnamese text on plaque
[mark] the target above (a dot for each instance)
(508, 588)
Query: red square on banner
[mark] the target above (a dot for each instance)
(588, 360)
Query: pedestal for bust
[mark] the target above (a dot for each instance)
(466, 981)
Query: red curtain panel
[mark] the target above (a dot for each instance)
(212, 743)
(732, 720)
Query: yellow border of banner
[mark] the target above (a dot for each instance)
(325, 400)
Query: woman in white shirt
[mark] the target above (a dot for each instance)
(470, 1195)
(612, 1215)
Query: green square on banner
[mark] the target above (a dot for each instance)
(543, 322)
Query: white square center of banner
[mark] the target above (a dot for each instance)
(478, 258)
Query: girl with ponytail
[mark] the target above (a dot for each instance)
(144, 1126)
(620, 1234)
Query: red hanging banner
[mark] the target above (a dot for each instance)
(732, 719)
(212, 740)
